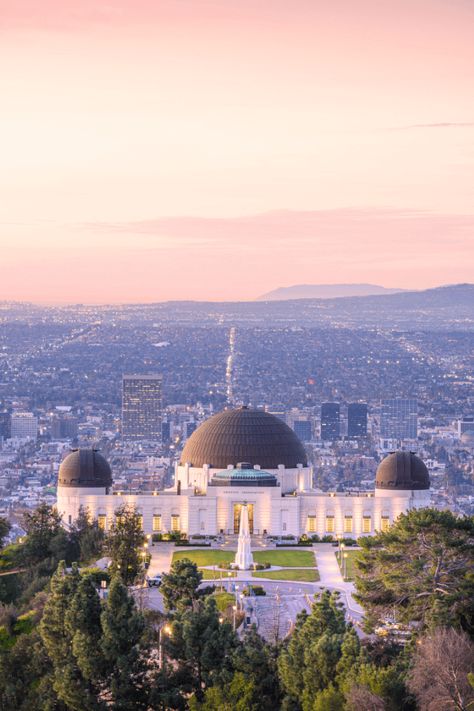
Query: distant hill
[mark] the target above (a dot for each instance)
(325, 291)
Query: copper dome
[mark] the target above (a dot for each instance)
(85, 468)
(244, 435)
(403, 471)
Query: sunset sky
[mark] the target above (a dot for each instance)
(217, 149)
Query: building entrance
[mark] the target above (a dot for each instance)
(237, 510)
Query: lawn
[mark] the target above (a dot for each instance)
(205, 556)
(215, 574)
(287, 559)
(303, 575)
(351, 557)
(223, 600)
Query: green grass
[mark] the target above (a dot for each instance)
(223, 600)
(204, 556)
(287, 559)
(302, 575)
(350, 560)
(215, 574)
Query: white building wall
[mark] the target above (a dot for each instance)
(274, 513)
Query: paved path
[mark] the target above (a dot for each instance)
(331, 578)
(161, 555)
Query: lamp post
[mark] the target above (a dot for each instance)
(341, 546)
(345, 566)
(234, 610)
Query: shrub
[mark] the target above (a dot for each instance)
(327, 538)
(256, 590)
(155, 537)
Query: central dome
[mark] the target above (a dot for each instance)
(244, 435)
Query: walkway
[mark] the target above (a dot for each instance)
(331, 578)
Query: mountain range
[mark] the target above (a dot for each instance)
(325, 291)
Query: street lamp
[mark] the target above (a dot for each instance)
(234, 609)
(345, 566)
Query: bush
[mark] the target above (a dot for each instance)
(315, 538)
(256, 590)
(155, 537)
(262, 566)
(349, 541)
(327, 538)
(185, 542)
(97, 575)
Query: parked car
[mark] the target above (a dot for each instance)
(154, 581)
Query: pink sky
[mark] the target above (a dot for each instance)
(217, 149)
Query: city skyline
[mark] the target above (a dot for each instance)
(171, 150)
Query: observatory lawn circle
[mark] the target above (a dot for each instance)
(282, 558)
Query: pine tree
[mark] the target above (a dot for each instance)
(123, 544)
(201, 644)
(179, 586)
(68, 681)
(122, 632)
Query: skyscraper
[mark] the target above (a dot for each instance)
(302, 429)
(142, 407)
(357, 419)
(330, 420)
(399, 418)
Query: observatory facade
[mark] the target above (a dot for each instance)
(245, 456)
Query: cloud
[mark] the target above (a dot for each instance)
(330, 230)
(440, 124)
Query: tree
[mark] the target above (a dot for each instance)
(308, 664)
(124, 542)
(68, 681)
(239, 695)
(83, 624)
(87, 536)
(201, 645)
(439, 677)
(257, 661)
(41, 526)
(419, 570)
(179, 586)
(5, 527)
(122, 634)
(329, 699)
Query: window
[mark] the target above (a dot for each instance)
(311, 525)
(330, 524)
(348, 523)
(366, 524)
(175, 525)
(102, 521)
(385, 523)
(157, 522)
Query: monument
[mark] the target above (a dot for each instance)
(244, 558)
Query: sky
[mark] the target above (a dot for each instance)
(218, 149)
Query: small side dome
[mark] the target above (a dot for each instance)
(402, 471)
(85, 468)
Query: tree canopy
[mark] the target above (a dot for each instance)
(419, 571)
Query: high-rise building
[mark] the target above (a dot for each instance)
(165, 431)
(64, 427)
(5, 425)
(330, 420)
(24, 425)
(303, 430)
(142, 407)
(189, 429)
(357, 420)
(399, 418)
